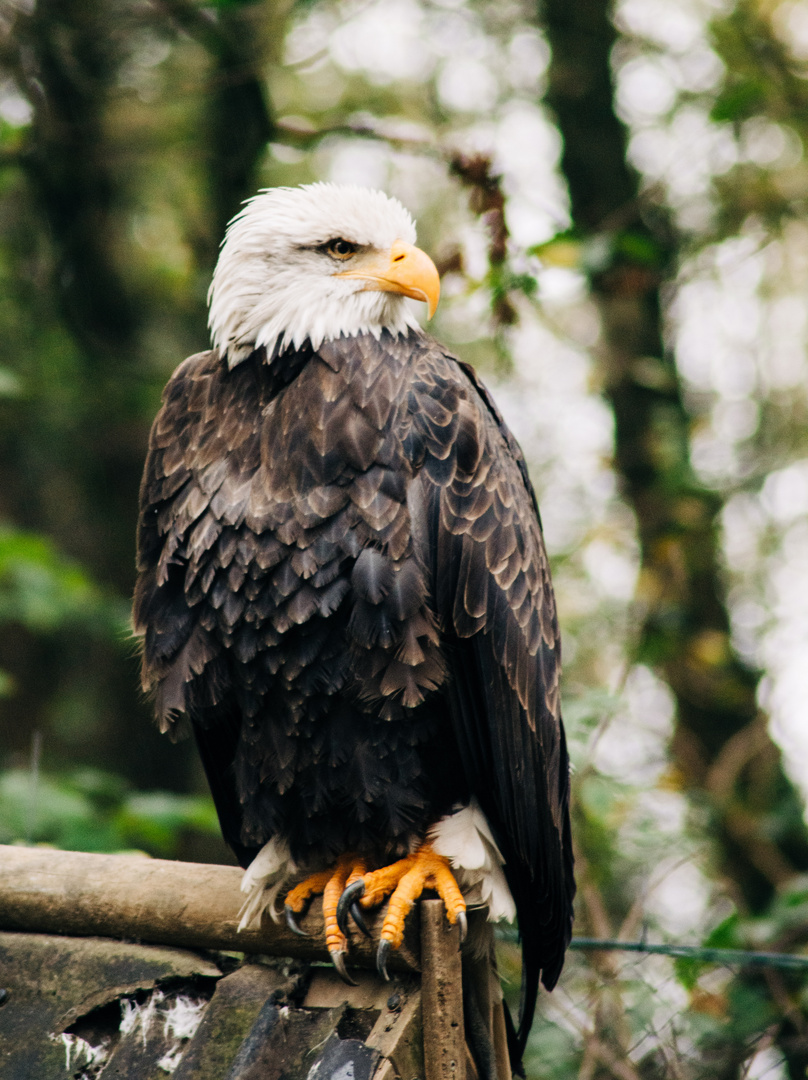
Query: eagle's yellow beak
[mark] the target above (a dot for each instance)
(403, 269)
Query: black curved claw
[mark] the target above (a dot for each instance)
(381, 958)
(338, 960)
(463, 923)
(359, 919)
(346, 901)
(291, 921)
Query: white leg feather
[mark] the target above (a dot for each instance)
(263, 879)
(464, 838)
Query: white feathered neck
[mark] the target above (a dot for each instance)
(273, 288)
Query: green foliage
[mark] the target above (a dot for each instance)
(594, 254)
(640, 248)
(42, 590)
(10, 384)
(724, 936)
(90, 810)
(738, 101)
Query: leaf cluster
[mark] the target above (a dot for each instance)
(87, 809)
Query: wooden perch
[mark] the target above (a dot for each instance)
(444, 1036)
(190, 905)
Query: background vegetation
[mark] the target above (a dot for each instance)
(616, 196)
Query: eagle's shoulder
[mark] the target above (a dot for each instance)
(490, 562)
(182, 397)
(206, 362)
(439, 376)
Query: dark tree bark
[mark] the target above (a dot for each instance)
(69, 54)
(720, 746)
(67, 57)
(237, 123)
(239, 120)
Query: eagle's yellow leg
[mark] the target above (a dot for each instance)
(404, 881)
(297, 898)
(331, 884)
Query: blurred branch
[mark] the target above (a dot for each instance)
(476, 171)
(618, 1067)
(198, 22)
(303, 137)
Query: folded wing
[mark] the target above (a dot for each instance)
(480, 536)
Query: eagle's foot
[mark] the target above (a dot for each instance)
(404, 881)
(332, 885)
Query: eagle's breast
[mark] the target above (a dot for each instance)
(313, 609)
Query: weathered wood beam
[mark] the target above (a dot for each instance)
(396, 1032)
(190, 905)
(441, 995)
(419, 1025)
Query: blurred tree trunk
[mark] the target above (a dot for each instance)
(721, 746)
(237, 120)
(68, 58)
(71, 460)
(69, 55)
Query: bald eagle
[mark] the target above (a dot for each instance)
(343, 590)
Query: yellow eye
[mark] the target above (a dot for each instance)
(341, 249)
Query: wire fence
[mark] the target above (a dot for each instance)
(636, 1010)
(729, 957)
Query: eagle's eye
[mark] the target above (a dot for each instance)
(341, 249)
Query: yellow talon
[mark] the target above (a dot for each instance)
(334, 937)
(406, 880)
(296, 898)
(402, 881)
(331, 884)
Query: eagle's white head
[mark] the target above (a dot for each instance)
(316, 262)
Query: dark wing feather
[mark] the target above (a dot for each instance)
(217, 743)
(204, 449)
(482, 539)
(203, 446)
(161, 613)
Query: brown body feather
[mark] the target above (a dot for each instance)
(343, 586)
